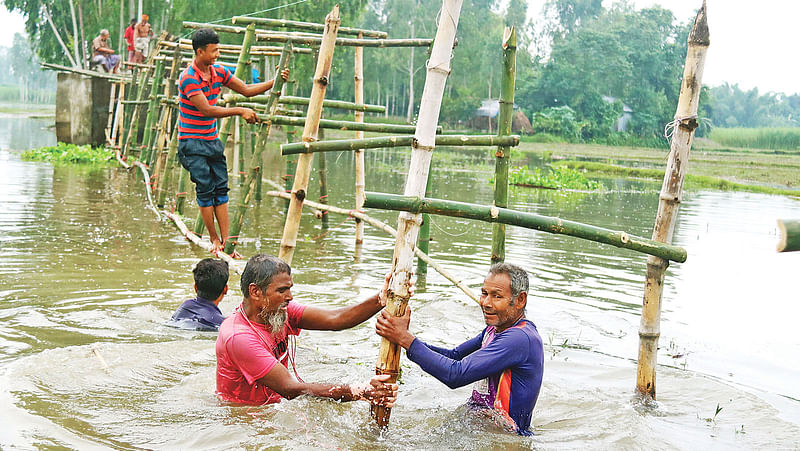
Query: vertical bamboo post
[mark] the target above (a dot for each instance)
(359, 154)
(313, 115)
(180, 196)
(162, 140)
(111, 99)
(669, 201)
(167, 167)
(422, 151)
(118, 114)
(238, 155)
(242, 64)
(152, 110)
(133, 124)
(255, 165)
(504, 119)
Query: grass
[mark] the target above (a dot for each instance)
(773, 138)
(69, 153)
(748, 167)
(558, 177)
(692, 181)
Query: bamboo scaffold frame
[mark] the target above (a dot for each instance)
(438, 68)
(308, 26)
(669, 201)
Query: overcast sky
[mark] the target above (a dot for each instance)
(753, 43)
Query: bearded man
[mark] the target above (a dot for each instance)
(254, 349)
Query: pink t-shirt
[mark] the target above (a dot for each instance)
(243, 357)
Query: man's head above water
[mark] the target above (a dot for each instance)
(266, 285)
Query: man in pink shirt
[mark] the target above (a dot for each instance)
(254, 348)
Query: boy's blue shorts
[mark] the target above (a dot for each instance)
(205, 161)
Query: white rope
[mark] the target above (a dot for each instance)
(669, 129)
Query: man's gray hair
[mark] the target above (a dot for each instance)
(518, 276)
(104, 32)
(260, 270)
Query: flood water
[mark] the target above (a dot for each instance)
(88, 278)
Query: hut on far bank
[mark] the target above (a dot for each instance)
(485, 118)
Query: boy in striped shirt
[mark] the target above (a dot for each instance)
(199, 149)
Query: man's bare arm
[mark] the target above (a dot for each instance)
(279, 380)
(201, 103)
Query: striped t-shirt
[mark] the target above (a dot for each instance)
(191, 123)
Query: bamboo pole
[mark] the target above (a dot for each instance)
(292, 100)
(303, 39)
(152, 111)
(534, 221)
(361, 184)
(342, 125)
(166, 178)
(310, 130)
(790, 235)
(424, 237)
(397, 141)
(180, 196)
(503, 129)
(669, 202)
(322, 174)
(378, 225)
(242, 65)
(255, 165)
(408, 224)
(110, 122)
(118, 113)
(256, 49)
(233, 264)
(307, 26)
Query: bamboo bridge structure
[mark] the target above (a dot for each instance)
(141, 129)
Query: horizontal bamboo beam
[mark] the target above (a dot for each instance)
(397, 141)
(193, 238)
(790, 235)
(300, 39)
(543, 223)
(306, 26)
(378, 225)
(292, 100)
(343, 125)
(256, 48)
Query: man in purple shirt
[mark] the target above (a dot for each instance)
(506, 359)
(202, 312)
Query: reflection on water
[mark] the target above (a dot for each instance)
(86, 272)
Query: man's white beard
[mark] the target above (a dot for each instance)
(274, 320)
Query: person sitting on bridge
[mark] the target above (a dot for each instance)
(199, 149)
(102, 53)
(254, 348)
(211, 285)
(506, 358)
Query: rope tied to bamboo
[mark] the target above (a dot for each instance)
(669, 128)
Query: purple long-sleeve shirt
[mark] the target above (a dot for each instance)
(511, 364)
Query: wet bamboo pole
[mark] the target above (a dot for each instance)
(790, 235)
(202, 244)
(180, 196)
(534, 221)
(408, 224)
(322, 174)
(292, 100)
(341, 125)
(397, 141)
(361, 184)
(378, 225)
(503, 153)
(118, 114)
(310, 130)
(669, 202)
(163, 142)
(110, 123)
(255, 165)
(307, 26)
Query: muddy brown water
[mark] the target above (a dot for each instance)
(87, 272)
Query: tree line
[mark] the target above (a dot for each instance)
(580, 67)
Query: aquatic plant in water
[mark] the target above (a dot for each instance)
(559, 177)
(69, 153)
